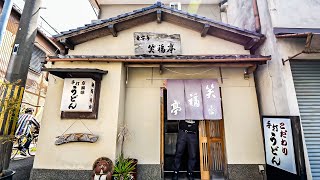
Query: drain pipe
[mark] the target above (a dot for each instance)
(4, 17)
(256, 16)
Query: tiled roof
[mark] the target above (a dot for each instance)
(154, 7)
(99, 28)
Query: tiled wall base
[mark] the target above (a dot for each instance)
(55, 174)
(145, 172)
(244, 172)
(149, 171)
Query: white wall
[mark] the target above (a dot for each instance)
(239, 105)
(240, 14)
(80, 156)
(191, 42)
(295, 13)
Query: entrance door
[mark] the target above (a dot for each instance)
(169, 133)
(211, 159)
(211, 142)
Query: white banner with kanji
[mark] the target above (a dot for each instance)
(78, 95)
(211, 99)
(175, 101)
(279, 144)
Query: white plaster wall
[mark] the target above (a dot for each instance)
(211, 11)
(103, 2)
(80, 156)
(191, 42)
(295, 13)
(240, 113)
(289, 48)
(240, 14)
(270, 79)
(274, 81)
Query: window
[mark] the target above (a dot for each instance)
(175, 5)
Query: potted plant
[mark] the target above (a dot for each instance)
(9, 106)
(123, 169)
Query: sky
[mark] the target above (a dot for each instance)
(64, 14)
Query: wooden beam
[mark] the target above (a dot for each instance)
(205, 30)
(250, 44)
(60, 46)
(229, 60)
(193, 65)
(308, 41)
(257, 45)
(159, 18)
(248, 71)
(67, 43)
(113, 30)
(299, 35)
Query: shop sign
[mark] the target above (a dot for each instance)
(78, 95)
(147, 43)
(279, 144)
(196, 99)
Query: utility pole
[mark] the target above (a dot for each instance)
(4, 17)
(17, 72)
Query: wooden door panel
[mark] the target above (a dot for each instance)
(211, 141)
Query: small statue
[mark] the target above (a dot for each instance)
(102, 169)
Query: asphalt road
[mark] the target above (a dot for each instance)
(22, 167)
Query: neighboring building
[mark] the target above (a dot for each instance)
(133, 91)
(36, 86)
(288, 85)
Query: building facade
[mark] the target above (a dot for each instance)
(287, 85)
(130, 87)
(36, 85)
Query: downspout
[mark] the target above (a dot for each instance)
(223, 11)
(4, 18)
(256, 16)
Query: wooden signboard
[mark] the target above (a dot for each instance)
(147, 43)
(78, 95)
(283, 148)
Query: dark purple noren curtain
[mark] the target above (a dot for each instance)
(211, 99)
(193, 99)
(175, 100)
(197, 99)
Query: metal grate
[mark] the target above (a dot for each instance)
(7, 44)
(306, 77)
(38, 57)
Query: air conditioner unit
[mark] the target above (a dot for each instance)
(175, 5)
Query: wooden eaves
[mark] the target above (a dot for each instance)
(76, 72)
(158, 13)
(212, 59)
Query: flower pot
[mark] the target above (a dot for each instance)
(8, 175)
(134, 172)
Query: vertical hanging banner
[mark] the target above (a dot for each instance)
(175, 100)
(193, 98)
(211, 99)
(279, 144)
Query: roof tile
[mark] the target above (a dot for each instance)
(156, 5)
